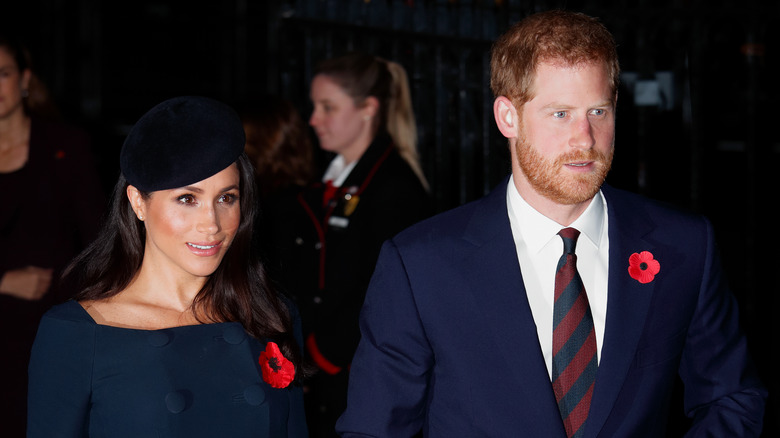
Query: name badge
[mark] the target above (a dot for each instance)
(352, 202)
(338, 222)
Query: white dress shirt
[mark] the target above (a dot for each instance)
(337, 171)
(538, 250)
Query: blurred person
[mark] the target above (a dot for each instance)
(328, 242)
(556, 306)
(51, 203)
(278, 144)
(279, 147)
(174, 331)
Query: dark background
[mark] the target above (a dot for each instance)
(697, 113)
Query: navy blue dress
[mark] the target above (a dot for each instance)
(91, 380)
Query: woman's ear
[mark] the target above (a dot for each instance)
(137, 202)
(506, 117)
(370, 107)
(25, 79)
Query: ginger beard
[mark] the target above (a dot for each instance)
(549, 178)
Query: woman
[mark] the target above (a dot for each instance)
(278, 144)
(50, 207)
(174, 331)
(328, 242)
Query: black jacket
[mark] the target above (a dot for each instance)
(324, 255)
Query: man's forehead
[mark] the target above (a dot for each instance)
(556, 90)
(559, 63)
(562, 63)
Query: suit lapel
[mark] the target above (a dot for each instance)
(627, 306)
(498, 286)
(496, 281)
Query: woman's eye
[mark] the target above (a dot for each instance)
(228, 198)
(186, 199)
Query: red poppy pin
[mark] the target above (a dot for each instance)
(643, 267)
(277, 370)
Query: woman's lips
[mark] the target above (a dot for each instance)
(204, 249)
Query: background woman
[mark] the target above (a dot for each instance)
(281, 150)
(278, 144)
(174, 331)
(329, 241)
(51, 204)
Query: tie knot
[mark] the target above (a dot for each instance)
(569, 236)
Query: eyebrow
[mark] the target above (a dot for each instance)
(556, 105)
(199, 190)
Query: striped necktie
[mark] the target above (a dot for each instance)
(574, 361)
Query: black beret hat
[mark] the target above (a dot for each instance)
(181, 141)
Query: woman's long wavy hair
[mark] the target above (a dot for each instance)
(361, 76)
(237, 291)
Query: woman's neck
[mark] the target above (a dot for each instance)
(14, 143)
(166, 289)
(358, 148)
(14, 131)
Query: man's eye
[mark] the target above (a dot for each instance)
(559, 114)
(598, 112)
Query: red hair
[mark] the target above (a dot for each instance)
(555, 36)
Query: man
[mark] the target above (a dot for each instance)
(467, 329)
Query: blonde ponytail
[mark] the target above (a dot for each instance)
(400, 119)
(360, 76)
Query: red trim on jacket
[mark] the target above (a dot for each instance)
(320, 226)
(321, 361)
(320, 236)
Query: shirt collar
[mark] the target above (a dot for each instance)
(537, 229)
(337, 171)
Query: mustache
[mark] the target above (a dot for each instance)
(587, 155)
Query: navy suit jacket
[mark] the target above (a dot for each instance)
(449, 345)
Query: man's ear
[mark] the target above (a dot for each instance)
(506, 117)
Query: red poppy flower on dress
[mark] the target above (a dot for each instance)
(277, 370)
(643, 267)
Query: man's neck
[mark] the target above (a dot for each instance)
(564, 214)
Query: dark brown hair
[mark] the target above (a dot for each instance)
(277, 143)
(38, 101)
